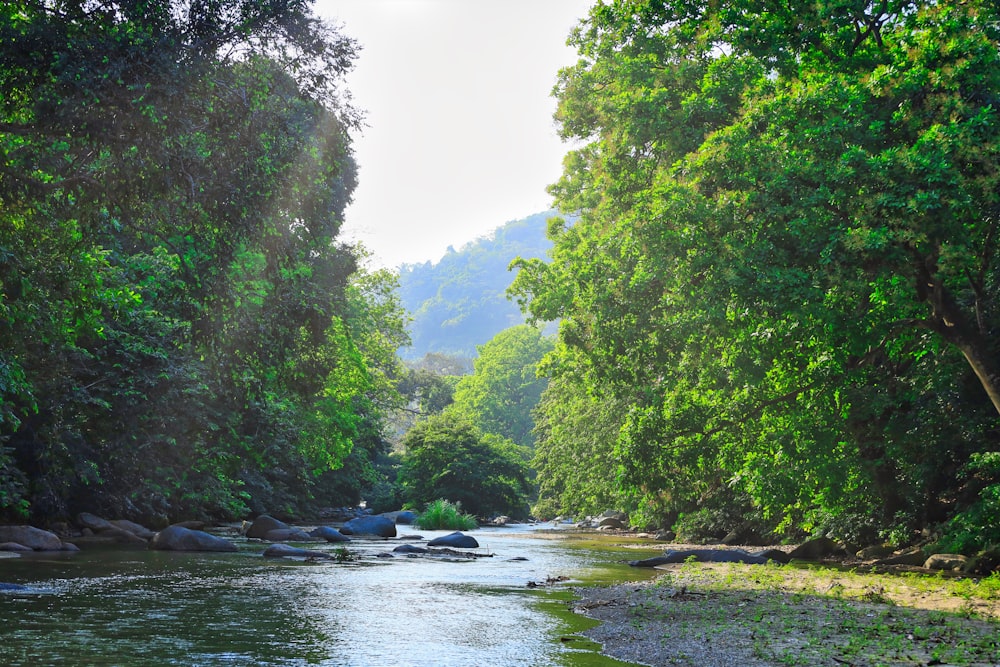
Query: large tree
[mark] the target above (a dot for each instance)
(787, 243)
(178, 331)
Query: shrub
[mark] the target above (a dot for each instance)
(445, 515)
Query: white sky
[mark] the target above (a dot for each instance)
(460, 136)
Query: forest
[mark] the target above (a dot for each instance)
(773, 274)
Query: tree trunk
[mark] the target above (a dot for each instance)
(950, 322)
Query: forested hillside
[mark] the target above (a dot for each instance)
(461, 301)
(779, 307)
(181, 334)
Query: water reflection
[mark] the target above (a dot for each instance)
(151, 608)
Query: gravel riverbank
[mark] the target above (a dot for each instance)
(724, 614)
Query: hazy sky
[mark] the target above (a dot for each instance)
(460, 136)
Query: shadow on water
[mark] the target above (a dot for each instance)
(126, 607)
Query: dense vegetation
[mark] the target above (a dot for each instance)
(180, 333)
(778, 308)
(461, 301)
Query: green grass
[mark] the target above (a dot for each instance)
(445, 515)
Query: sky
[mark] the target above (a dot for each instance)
(457, 99)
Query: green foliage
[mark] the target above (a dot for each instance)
(505, 387)
(976, 527)
(180, 333)
(460, 302)
(444, 515)
(784, 273)
(447, 456)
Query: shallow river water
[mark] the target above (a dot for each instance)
(132, 607)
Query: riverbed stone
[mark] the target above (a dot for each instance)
(610, 523)
(13, 546)
(816, 549)
(701, 556)
(35, 539)
(379, 526)
(287, 551)
(179, 538)
(133, 527)
(949, 562)
(264, 524)
(93, 522)
(288, 535)
(329, 534)
(410, 549)
(457, 540)
(913, 556)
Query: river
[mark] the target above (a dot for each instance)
(106, 606)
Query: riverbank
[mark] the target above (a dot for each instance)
(725, 614)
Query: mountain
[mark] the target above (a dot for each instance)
(461, 302)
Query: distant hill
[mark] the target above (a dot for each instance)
(460, 302)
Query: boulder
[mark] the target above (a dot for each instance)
(122, 536)
(13, 546)
(288, 535)
(455, 540)
(193, 524)
(914, 556)
(816, 549)
(133, 527)
(286, 551)
(610, 523)
(986, 561)
(701, 556)
(35, 539)
(666, 536)
(950, 562)
(92, 522)
(410, 549)
(263, 525)
(179, 538)
(379, 526)
(329, 534)
(406, 517)
(875, 552)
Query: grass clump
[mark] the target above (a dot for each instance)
(445, 515)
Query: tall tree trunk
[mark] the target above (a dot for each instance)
(954, 326)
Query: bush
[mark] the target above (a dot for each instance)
(445, 515)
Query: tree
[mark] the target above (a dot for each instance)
(505, 387)
(177, 331)
(787, 240)
(447, 457)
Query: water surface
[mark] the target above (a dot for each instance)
(131, 607)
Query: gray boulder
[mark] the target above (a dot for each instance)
(93, 522)
(35, 539)
(914, 556)
(410, 549)
(379, 526)
(263, 525)
(816, 549)
(288, 535)
(133, 527)
(329, 534)
(455, 540)
(949, 562)
(13, 546)
(702, 556)
(179, 538)
(286, 551)
(610, 523)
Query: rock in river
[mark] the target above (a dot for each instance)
(456, 540)
(263, 525)
(31, 537)
(370, 525)
(329, 534)
(178, 538)
(284, 550)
